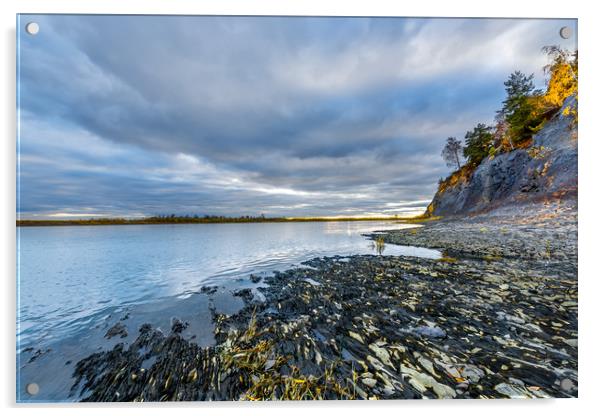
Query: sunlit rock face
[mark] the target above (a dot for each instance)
(544, 171)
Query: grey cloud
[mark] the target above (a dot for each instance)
(301, 112)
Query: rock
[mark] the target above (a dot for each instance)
(452, 342)
(567, 385)
(473, 373)
(452, 371)
(427, 365)
(427, 331)
(381, 354)
(513, 392)
(318, 357)
(421, 381)
(245, 294)
(510, 318)
(417, 385)
(209, 290)
(356, 336)
(518, 382)
(370, 382)
(177, 326)
(117, 329)
(520, 175)
(357, 390)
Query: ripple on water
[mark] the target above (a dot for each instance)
(69, 273)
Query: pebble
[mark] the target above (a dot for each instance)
(370, 382)
(567, 384)
(356, 336)
(418, 328)
(427, 331)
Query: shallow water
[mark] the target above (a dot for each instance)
(74, 281)
(68, 273)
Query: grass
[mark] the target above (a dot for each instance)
(420, 219)
(462, 175)
(297, 386)
(491, 257)
(379, 244)
(259, 366)
(448, 260)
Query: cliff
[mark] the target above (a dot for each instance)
(547, 169)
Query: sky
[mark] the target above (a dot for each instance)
(148, 115)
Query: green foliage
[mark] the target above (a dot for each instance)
(524, 112)
(521, 107)
(477, 143)
(518, 86)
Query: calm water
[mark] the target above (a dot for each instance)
(76, 282)
(69, 273)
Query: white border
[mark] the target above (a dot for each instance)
(590, 153)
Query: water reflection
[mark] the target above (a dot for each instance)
(378, 245)
(66, 274)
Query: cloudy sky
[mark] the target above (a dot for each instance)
(129, 116)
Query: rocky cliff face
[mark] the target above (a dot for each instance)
(545, 170)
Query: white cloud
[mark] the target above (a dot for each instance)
(437, 49)
(146, 114)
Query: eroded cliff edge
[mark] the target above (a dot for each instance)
(544, 170)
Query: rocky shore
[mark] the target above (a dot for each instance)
(496, 317)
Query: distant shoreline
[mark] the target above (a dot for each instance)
(209, 220)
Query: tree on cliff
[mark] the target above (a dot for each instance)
(477, 143)
(518, 86)
(563, 79)
(524, 111)
(520, 108)
(451, 152)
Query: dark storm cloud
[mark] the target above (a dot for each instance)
(309, 116)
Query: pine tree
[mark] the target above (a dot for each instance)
(477, 143)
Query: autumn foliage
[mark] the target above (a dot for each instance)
(524, 112)
(563, 79)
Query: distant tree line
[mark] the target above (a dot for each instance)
(157, 219)
(173, 218)
(524, 112)
(189, 219)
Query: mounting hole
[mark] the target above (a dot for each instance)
(32, 28)
(565, 32)
(32, 389)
